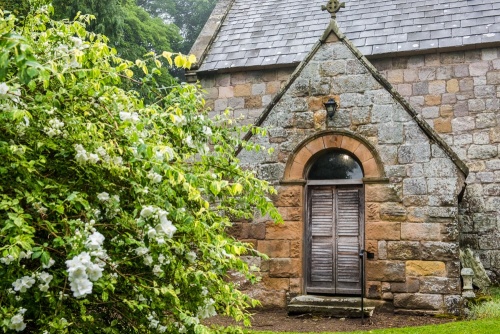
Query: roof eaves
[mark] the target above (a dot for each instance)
(210, 31)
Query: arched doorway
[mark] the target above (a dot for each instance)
(334, 223)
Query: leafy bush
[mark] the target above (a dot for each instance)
(113, 211)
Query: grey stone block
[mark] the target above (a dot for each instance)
(390, 133)
(414, 186)
(414, 153)
(482, 151)
(418, 301)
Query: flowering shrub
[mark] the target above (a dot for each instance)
(113, 210)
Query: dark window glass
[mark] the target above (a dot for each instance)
(335, 165)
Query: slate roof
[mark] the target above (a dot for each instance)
(279, 32)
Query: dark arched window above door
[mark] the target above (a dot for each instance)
(335, 165)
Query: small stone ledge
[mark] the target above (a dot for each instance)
(372, 180)
(297, 182)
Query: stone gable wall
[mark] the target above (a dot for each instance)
(458, 93)
(411, 215)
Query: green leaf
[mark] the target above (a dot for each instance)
(45, 258)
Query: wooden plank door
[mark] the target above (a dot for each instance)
(334, 239)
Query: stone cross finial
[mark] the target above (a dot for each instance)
(333, 6)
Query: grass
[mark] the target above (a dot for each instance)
(486, 306)
(483, 326)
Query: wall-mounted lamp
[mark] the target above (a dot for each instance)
(331, 107)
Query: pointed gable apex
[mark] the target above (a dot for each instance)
(333, 35)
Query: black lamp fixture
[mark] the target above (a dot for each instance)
(331, 107)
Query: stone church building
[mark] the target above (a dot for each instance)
(385, 128)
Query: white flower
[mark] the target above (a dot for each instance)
(101, 151)
(81, 271)
(151, 233)
(127, 116)
(94, 272)
(165, 227)
(43, 287)
(56, 123)
(206, 130)
(17, 323)
(48, 265)
(4, 88)
(81, 155)
(147, 211)
(165, 153)
(76, 41)
(45, 277)
(104, 196)
(191, 256)
(157, 270)
(94, 241)
(7, 260)
(189, 141)
(180, 120)
(148, 260)
(81, 287)
(25, 255)
(93, 158)
(118, 161)
(23, 284)
(154, 177)
(208, 310)
(141, 251)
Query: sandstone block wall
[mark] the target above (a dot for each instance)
(244, 93)
(458, 93)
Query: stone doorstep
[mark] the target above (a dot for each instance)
(338, 307)
(331, 311)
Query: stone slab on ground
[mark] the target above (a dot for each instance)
(337, 307)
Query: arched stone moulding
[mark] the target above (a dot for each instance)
(297, 164)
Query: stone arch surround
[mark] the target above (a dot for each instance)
(296, 166)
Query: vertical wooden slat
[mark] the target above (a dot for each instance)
(321, 240)
(348, 240)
